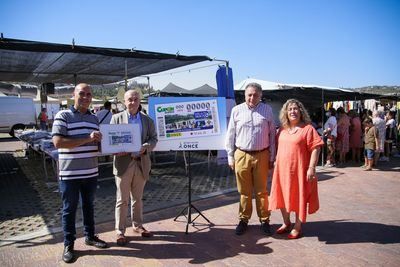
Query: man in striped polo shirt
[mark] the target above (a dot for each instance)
(250, 144)
(76, 135)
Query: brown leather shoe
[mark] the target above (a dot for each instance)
(141, 230)
(121, 240)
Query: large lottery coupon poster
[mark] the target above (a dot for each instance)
(189, 123)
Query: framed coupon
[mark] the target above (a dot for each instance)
(187, 119)
(189, 123)
(118, 138)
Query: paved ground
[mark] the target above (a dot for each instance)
(30, 204)
(358, 225)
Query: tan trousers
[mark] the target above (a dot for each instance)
(251, 171)
(130, 184)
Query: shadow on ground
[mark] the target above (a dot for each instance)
(342, 232)
(327, 175)
(18, 197)
(217, 242)
(202, 247)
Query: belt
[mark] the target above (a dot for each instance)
(253, 151)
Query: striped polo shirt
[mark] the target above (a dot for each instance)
(79, 162)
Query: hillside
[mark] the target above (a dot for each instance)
(377, 89)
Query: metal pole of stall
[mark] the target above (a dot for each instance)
(126, 75)
(148, 85)
(227, 73)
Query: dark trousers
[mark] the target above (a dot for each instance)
(70, 191)
(43, 126)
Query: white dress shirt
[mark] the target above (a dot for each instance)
(251, 129)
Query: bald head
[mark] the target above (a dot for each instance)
(82, 97)
(80, 86)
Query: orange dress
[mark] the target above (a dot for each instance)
(290, 188)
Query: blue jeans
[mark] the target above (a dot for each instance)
(70, 191)
(43, 126)
(369, 153)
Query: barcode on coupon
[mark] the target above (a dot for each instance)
(215, 119)
(161, 126)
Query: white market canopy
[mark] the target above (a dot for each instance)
(174, 90)
(268, 85)
(50, 100)
(309, 95)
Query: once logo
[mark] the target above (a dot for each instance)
(190, 145)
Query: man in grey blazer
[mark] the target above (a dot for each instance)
(132, 170)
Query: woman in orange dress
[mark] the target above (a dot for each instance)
(294, 184)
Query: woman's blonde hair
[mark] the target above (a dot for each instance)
(283, 114)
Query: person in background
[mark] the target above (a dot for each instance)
(43, 119)
(371, 141)
(75, 134)
(390, 133)
(250, 145)
(330, 132)
(132, 170)
(294, 182)
(380, 125)
(342, 139)
(366, 113)
(105, 114)
(397, 138)
(316, 122)
(369, 114)
(355, 136)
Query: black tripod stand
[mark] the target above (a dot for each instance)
(190, 206)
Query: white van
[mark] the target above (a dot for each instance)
(16, 113)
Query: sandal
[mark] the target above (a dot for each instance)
(294, 234)
(283, 229)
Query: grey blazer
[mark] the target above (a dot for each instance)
(149, 141)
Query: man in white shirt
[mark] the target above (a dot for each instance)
(379, 123)
(330, 132)
(250, 144)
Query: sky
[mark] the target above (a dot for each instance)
(341, 43)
